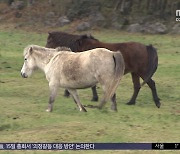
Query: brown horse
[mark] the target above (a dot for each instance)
(140, 60)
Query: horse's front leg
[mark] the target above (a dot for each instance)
(53, 93)
(137, 87)
(114, 104)
(74, 94)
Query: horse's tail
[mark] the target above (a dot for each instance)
(119, 68)
(119, 65)
(152, 63)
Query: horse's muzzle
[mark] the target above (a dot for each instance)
(24, 75)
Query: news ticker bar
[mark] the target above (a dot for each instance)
(89, 146)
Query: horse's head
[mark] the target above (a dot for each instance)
(86, 42)
(57, 39)
(29, 62)
(75, 42)
(50, 41)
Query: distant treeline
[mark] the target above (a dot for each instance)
(122, 12)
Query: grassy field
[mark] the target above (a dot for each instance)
(23, 101)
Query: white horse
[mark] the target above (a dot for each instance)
(72, 71)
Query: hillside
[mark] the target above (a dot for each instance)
(148, 16)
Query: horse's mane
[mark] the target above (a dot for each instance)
(63, 49)
(69, 40)
(86, 36)
(39, 48)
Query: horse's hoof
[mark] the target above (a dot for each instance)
(157, 102)
(48, 110)
(130, 103)
(94, 99)
(83, 109)
(113, 108)
(91, 106)
(158, 105)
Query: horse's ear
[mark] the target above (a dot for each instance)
(49, 33)
(30, 50)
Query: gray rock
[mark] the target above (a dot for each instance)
(175, 29)
(155, 28)
(50, 15)
(151, 28)
(18, 5)
(117, 25)
(83, 26)
(49, 23)
(97, 19)
(62, 21)
(135, 28)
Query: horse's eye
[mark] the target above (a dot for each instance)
(25, 59)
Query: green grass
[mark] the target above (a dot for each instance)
(23, 101)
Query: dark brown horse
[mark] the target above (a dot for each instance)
(140, 60)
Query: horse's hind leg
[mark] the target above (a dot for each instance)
(74, 94)
(114, 104)
(66, 93)
(152, 85)
(137, 87)
(95, 95)
(103, 101)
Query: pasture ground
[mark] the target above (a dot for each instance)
(23, 101)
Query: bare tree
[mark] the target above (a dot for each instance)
(30, 2)
(10, 2)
